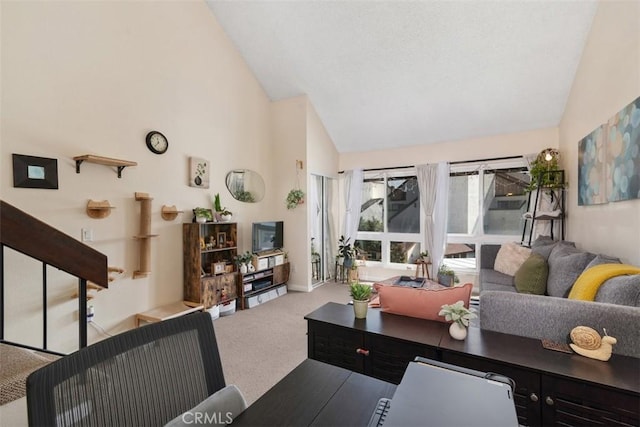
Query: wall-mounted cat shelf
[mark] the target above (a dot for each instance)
(99, 209)
(169, 213)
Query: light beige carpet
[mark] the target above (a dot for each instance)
(17, 363)
(259, 346)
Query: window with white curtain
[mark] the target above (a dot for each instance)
(486, 203)
(389, 232)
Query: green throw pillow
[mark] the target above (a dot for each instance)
(531, 277)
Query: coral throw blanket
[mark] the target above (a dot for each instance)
(587, 285)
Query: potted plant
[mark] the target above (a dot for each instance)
(243, 261)
(446, 276)
(361, 294)
(222, 214)
(543, 170)
(202, 215)
(295, 198)
(460, 316)
(424, 257)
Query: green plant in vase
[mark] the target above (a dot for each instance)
(361, 294)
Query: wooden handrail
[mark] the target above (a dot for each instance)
(30, 236)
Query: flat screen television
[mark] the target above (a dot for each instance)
(267, 236)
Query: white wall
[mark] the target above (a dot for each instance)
(607, 79)
(94, 78)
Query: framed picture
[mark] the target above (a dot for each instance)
(222, 239)
(35, 172)
(198, 172)
(218, 267)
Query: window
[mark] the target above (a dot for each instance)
(390, 226)
(486, 204)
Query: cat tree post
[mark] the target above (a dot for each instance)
(145, 235)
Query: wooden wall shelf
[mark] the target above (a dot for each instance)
(169, 213)
(99, 209)
(107, 161)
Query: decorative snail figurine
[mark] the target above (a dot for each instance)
(587, 342)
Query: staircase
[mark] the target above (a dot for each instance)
(35, 239)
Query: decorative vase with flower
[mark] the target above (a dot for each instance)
(460, 316)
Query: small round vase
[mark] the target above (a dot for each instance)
(360, 309)
(243, 268)
(201, 219)
(457, 331)
(225, 218)
(250, 267)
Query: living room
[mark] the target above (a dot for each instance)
(93, 78)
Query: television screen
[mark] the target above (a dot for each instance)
(267, 236)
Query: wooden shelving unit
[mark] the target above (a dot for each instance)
(203, 249)
(107, 161)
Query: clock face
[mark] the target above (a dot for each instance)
(157, 142)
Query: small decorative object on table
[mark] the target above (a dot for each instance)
(222, 214)
(587, 342)
(361, 294)
(460, 316)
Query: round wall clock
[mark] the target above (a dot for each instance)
(157, 142)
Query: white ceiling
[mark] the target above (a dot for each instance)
(386, 74)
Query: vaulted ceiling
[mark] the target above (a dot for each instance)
(386, 74)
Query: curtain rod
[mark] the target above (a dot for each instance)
(491, 159)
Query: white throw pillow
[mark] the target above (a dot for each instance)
(510, 257)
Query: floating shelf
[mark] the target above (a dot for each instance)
(119, 164)
(169, 213)
(99, 209)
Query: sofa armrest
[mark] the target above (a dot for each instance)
(539, 316)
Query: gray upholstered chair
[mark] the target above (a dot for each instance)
(143, 377)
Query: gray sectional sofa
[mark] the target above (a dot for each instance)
(553, 315)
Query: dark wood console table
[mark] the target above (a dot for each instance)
(552, 387)
(316, 393)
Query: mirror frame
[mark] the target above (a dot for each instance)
(250, 190)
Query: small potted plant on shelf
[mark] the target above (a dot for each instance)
(424, 257)
(295, 198)
(460, 316)
(361, 294)
(446, 276)
(222, 214)
(244, 262)
(202, 215)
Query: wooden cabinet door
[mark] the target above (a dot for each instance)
(388, 358)
(527, 395)
(336, 346)
(572, 403)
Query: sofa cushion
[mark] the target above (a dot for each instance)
(566, 263)
(622, 290)
(603, 259)
(545, 246)
(531, 277)
(510, 257)
(422, 303)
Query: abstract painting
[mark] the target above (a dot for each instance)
(591, 168)
(623, 154)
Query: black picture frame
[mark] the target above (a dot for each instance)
(35, 172)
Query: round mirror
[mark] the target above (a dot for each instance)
(245, 185)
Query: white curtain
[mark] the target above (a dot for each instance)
(433, 181)
(353, 203)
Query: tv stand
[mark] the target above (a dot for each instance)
(267, 259)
